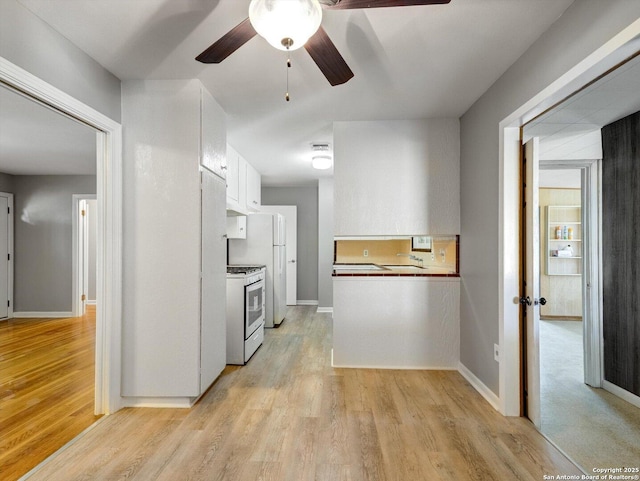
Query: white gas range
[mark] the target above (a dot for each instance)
(245, 311)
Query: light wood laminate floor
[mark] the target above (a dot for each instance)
(288, 415)
(46, 388)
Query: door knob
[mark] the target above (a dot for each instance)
(542, 301)
(525, 301)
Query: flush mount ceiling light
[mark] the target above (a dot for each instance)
(321, 158)
(285, 24)
(321, 162)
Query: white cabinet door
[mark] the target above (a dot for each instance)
(213, 135)
(233, 178)
(253, 188)
(237, 227)
(213, 330)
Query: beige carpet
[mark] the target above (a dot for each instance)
(593, 427)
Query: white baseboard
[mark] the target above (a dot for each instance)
(479, 386)
(158, 402)
(400, 368)
(621, 393)
(328, 310)
(42, 314)
(306, 303)
(91, 303)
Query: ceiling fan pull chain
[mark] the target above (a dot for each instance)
(286, 95)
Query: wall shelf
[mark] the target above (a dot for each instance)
(563, 219)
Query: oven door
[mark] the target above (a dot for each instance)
(254, 307)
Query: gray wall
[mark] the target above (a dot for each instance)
(325, 243)
(6, 183)
(306, 199)
(54, 59)
(583, 28)
(43, 240)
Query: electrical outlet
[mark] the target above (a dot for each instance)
(496, 352)
(365, 253)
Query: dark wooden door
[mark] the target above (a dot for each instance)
(621, 252)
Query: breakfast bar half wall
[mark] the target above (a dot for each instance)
(396, 322)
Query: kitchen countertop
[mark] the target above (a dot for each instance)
(376, 270)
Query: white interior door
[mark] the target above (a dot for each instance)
(532, 281)
(5, 255)
(290, 213)
(84, 254)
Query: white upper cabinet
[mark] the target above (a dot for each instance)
(233, 177)
(213, 139)
(243, 185)
(253, 189)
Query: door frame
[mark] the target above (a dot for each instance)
(597, 63)
(109, 237)
(591, 271)
(79, 269)
(9, 197)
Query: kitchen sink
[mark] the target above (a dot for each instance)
(405, 268)
(357, 267)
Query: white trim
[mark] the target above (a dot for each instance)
(621, 393)
(607, 56)
(90, 302)
(42, 314)
(391, 368)
(159, 402)
(509, 281)
(306, 303)
(479, 386)
(323, 310)
(10, 244)
(109, 239)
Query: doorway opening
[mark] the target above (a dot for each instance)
(108, 135)
(84, 252)
(564, 363)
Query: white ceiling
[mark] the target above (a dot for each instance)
(409, 62)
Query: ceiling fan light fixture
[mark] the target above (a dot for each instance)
(285, 24)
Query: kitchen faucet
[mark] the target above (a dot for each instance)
(411, 256)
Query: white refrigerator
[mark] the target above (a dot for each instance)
(266, 245)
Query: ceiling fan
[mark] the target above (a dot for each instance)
(291, 24)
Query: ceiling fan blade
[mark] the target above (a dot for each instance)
(351, 4)
(228, 43)
(326, 56)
